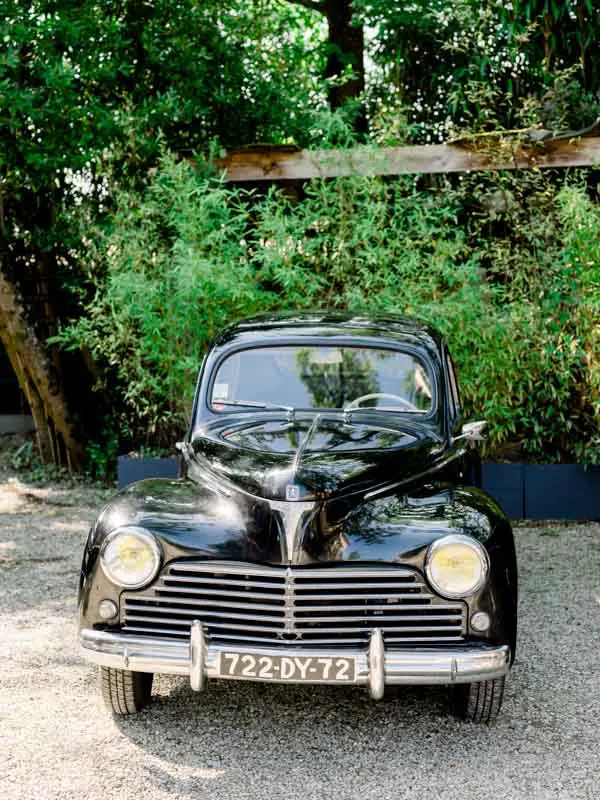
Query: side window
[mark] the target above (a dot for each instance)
(454, 395)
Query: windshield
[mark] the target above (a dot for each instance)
(307, 377)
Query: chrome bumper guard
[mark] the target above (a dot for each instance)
(375, 667)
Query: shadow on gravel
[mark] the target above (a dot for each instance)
(280, 732)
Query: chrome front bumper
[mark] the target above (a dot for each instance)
(375, 667)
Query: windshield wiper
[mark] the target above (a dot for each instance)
(396, 409)
(254, 404)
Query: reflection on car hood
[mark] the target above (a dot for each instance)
(315, 456)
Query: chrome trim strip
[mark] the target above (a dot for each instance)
(278, 571)
(397, 484)
(460, 663)
(304, 444)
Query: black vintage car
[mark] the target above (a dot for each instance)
(326, 527)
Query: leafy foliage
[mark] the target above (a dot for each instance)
(518, 302)
(89, 92)
(466, 65)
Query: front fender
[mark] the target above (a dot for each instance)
(399, 528)
(187, 519)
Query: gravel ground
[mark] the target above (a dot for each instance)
(259, 741)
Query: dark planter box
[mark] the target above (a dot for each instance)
(524, 491)
(505, 483)
(545, 491)
(130, 469)
(561, 491)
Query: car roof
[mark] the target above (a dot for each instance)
(391, 329)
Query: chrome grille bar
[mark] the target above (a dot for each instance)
(215, 592)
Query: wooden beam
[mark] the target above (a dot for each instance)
(281, 164)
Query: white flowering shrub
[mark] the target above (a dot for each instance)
(471, 65)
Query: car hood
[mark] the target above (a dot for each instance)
(315, 457)
(193, 520)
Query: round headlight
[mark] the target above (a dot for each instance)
(456, 566)
(130, 557)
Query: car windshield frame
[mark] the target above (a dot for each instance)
(419, 354)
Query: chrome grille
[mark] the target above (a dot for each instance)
(245, 604)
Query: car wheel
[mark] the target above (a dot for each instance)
(479, 702)
(125, 692)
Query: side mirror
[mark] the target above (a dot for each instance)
(472, 432)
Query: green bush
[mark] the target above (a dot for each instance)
(507, 268)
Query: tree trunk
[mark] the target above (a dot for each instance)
(56, 430)
(346, 47)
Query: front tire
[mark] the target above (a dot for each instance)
(479, 702)
(125, 692)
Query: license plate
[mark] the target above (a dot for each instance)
(295, 669)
